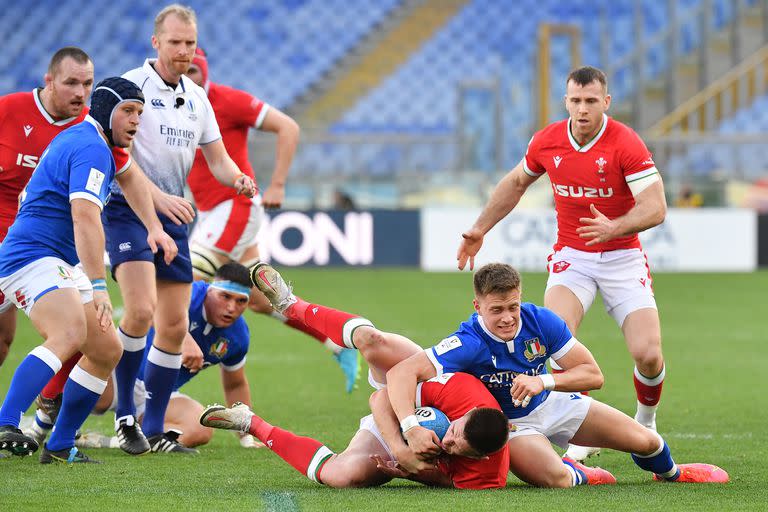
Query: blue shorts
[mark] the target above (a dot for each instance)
(126, 239)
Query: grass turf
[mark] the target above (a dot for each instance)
(713, 409)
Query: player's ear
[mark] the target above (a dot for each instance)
(476, 304)
(155, 42)
(48, 79)
(607, 101)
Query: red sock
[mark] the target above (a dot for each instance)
(328, 322)
(649, 389)
(55, 386)
(290, 322)
(306, 455)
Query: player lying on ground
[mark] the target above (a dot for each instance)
(218, 335)
(505, 344)
(453, 394)
(228, 224)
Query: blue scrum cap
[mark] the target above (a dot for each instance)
(107, 95)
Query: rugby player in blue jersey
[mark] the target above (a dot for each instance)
(218, 335)
(52, 266)
(506, 344)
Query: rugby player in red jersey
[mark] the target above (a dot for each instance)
(606, 190)
(227, 222)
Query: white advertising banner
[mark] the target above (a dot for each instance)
(691, 240)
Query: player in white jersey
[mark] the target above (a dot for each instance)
(177, 119)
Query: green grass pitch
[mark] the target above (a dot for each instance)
(713, 408)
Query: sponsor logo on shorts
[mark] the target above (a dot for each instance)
(124, 246)
(534, 349)
(219, 349)
(560, 266)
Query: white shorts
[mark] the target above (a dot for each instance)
(229, 228)
(558, 418)
(29, 283)
(368, 423)
(139, 396)
(622, 276)
(374, 383)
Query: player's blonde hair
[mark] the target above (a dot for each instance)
(185, 14)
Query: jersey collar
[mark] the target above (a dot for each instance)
(45, 114)
(586, 147)
(509, 343)
(156, 79)
(90, 120)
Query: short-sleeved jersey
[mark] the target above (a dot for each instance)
(236, 112)
(26, 129)
(226, 346)
(78, 164)
(174, 123)
(455, 394)
(475, 350)
(597, 173)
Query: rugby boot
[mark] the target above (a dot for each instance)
(13, 440)
(580, 453)
(130, 437)
(273, 286)
(238, 417)
(168, 442)
(697, 473)
(595, 476)
(65, 456)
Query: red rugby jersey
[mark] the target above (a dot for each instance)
(455, 394)
(236, 112)
(597, 173)
(26, 129)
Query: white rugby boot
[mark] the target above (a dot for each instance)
(581, 453)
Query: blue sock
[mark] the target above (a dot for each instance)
(579, 477)
(126, 371)
(81, 392)
(30, 378)
(659, 462)
(160, 374)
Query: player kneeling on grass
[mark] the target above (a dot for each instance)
(218, 335)
(473, 455)
(505, 344)
(52, 265)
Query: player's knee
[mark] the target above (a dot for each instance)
(140, 315)
(172, 326)
(196, 435)
(649, 359)
(647, 443)
(105, 351)
(368, 339)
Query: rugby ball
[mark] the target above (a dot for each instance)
(434, 420)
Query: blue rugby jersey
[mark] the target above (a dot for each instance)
(78, 164)
(226, 346)
(473, 349)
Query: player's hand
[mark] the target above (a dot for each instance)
(191, 355)
(390, 468)
(159, 238)
(423, 442)
(409, 462)
(103, 309)
(244, 185)
(472, 241)
(525, 387)
(598, 229)
(176, 208)
(273, 197)
(248, 441)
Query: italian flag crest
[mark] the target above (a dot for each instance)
(533, 349)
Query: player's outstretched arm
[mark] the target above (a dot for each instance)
(89, 244)
(504, 198)
(650, 210)
(225, 170)
(135, 186)
(287, 131)
(235, 385)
